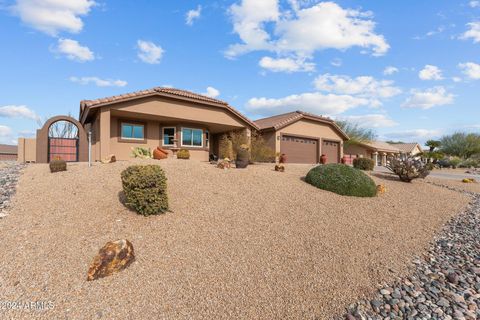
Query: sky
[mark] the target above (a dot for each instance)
(408, 69)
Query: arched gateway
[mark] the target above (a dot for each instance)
(62, 137)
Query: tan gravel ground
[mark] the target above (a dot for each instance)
(472, 187)
(239, 244)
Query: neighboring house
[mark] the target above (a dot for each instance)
(8, 152)
(303, 137)
(378, 151)
(165, 117)
(409, 149)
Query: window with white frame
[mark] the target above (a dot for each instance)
(132, 131)
(168, 136)
(192, 137)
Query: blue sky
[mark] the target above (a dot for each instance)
(409, 69)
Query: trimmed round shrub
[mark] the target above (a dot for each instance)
(342, 179)
(363, 164)
(145, 189)
(183, 154)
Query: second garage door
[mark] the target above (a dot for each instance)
(332, 150)
(299, 150)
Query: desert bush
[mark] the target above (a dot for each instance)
(408, 169)
(454, 162)
(469, 163)
(183, 154)
(141, 152)
(226, 148)
(145, 189)
(363, 164)
(342, 179)
(58, 165)
(260, 151)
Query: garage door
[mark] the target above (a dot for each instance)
(332, 150)
(299, 150)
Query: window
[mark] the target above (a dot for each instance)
(132, 131)
(207, 139)
(192, 137)
(168, 136)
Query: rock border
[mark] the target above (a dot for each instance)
(445, 282)
(9, 176)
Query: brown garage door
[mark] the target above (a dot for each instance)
(332, 150)
(299, 150)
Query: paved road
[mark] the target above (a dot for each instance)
(441, 175)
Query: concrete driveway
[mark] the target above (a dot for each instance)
(442, 174)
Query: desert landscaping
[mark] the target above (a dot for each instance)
(251, 243)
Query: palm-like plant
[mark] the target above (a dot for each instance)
(356, 133)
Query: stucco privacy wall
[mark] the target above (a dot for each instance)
(309, 128)
(27, 150)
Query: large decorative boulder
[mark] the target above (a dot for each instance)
(109, 159)
(113, 257)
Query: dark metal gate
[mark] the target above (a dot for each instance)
(63, 148)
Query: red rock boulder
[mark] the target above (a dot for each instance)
(113, 257)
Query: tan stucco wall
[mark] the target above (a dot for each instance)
(27, 150)
(175, 109)
(358, 150)
(311, 129)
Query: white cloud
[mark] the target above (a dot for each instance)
(430, 72)
(286, 65)
(337, 62)
(436, 96)
(149, 52)
(372, 120)
(473, 32)
(13, 111)
(364, 86)
(74, 51)
(418, 135)
(5, 131)
(193, 15)
(261, 25)
(99, 82)
(471, 70)
(474, 4)
(457, 79)
(390, 70)
(53, 16)
(316, 102)
(211, 92)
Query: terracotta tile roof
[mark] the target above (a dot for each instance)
(8, 149)
(406, 147)
(279, 121)
(87, 104)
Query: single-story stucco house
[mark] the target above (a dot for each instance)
(409, 149)
(165, 117)
(303, 136)
(378, 151)
(8, 152)
(176, 119)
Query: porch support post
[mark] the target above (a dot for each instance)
(104, 133)
(375, 158)
(384, 159)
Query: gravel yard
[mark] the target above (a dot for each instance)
(250, 243)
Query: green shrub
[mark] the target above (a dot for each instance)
(183, 154)
(58, 165)
(141, 152)
(469, 163)
(342, 179)
(363, 164)
(454, 162)
(145, 189)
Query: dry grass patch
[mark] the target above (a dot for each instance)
(242, 244)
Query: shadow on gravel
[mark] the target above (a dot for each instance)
(385, 176)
